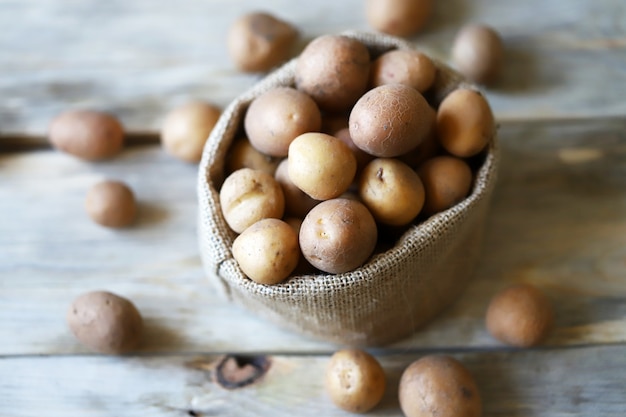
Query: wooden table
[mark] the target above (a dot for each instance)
(558, 219)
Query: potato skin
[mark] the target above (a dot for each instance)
(243, 155)
(354, 380)
(258, 41)
(465, 123)
(267, 251)
(438, 386)
(478, 53)
(105, 322)
(390, 120)
(111, 204)
(86, 134)
(186, 129)
(447, 180)
(297, 202)
(334, 71)
(392, 191)
(277, 117)
(520, 316)
(398, 17)
(338, 235)
(248, 196)
(407, 67)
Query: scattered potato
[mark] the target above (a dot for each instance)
(465, 123)
(398, 17)
(390, 120)
(438, 386)
(248, 196)
(186, 129)
(334, 71)
(407, 67)
(297, 202)
(447, 180)
(111, 204)
(243, 155)
(86, 134)
(355, 381)
(258, 42)
(338, 235)
(277, 117)
(392, 191)
(520, 316)
(105, 322)
(321, 165)
(478, 53)
(267, 251)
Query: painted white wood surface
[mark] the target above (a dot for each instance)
(139, 59)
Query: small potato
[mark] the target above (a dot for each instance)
(338, 235)
(355, 381)
(398, 17)
(392, 191)
(243, 155)
(267, 251)
(406, 67)
(438, 386)
(390, 120)
(105, 322)
(447, 180)
(478, 53)
(86, 134)
(248, 196)
(277, 117)
(362, 157)
(334, 71)
(258, 42)
(321, 165)
(520, 316)
(465, 123)
(297, 202)
(111, 204)
(186, 129)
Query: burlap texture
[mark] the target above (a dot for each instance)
(390, 296)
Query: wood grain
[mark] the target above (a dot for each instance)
(564, 59)
(547, 383)
(558, 221)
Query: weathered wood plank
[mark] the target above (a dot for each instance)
(547, 383)
(564, 58)
(558, 220)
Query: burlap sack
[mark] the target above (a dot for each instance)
(390, 296)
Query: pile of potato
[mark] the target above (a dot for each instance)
(354, 151)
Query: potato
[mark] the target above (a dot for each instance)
(89, 135)
(354, 380)
(277, 117)
(478, 53)
(297, 202)
(390, 120)
(398, 17)
(447, 180)
(520, 316)
(362, 157)
(408, 67)
(105, 322)
(429, 148)
(334, 71)
(338, 235)
(438, 386)
(465, 123)
(321, 165)
(267, 251)
(392, 191)
(186, 129)
(259, 41)
(243, 155)
(248, 196)
(111, 204)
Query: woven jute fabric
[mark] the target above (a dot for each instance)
(386, 299)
